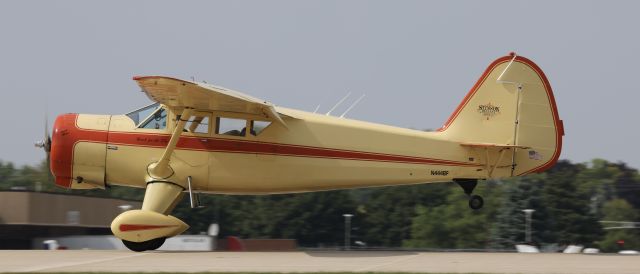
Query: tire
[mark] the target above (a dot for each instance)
(156, 243)
(476, 202)
(144, 246)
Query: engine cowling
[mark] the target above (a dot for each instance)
(78, 150)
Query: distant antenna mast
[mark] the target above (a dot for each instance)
(352, 105)
(339, 102)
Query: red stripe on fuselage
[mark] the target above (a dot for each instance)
(254, 147)
(210, 144)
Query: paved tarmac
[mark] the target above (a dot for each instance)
(357, 261)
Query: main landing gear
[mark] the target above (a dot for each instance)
(475, 201)
(147, 228)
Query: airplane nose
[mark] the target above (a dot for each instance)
(62, 143)
(78, 150)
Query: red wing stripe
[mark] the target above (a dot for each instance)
(126, 227)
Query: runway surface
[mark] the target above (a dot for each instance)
(360, 261)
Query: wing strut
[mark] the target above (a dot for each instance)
(161, 169)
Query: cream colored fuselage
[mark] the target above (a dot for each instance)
(315, 152)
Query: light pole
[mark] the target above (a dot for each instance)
(527, 226)
(347, 231)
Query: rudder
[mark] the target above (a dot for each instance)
(511, 104)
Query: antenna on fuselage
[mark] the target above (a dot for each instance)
(352, 105)
(337, 104)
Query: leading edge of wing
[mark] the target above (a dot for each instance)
(251, 104)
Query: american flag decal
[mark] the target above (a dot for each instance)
(534, 155)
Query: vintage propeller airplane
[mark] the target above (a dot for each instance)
(200, 138)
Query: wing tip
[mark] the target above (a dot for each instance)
(147, 77)
(143, 77)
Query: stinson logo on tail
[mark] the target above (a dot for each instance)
(488, 110)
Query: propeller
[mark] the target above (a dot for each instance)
(46, 143)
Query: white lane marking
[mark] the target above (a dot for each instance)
(369, 268)
(59, 265)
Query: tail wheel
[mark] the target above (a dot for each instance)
(476, 202)
(144, 246)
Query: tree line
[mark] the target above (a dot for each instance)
(570, 201)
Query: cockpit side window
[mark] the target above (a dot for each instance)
(258, 126)
(231, 126)
(198, 124)
(157, 120)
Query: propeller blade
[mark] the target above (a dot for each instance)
(49, 174)
(47, 135)
(46, 125)
(46, 145)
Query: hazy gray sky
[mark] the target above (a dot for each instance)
(415, 60)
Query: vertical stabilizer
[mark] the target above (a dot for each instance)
(511, 104)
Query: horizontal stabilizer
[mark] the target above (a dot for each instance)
(489, 145)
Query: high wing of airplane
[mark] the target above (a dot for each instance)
(200, 138)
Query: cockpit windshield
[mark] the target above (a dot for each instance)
(157, 120)
(140, 114)
(150, 117)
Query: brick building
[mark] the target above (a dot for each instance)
(27, 215)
